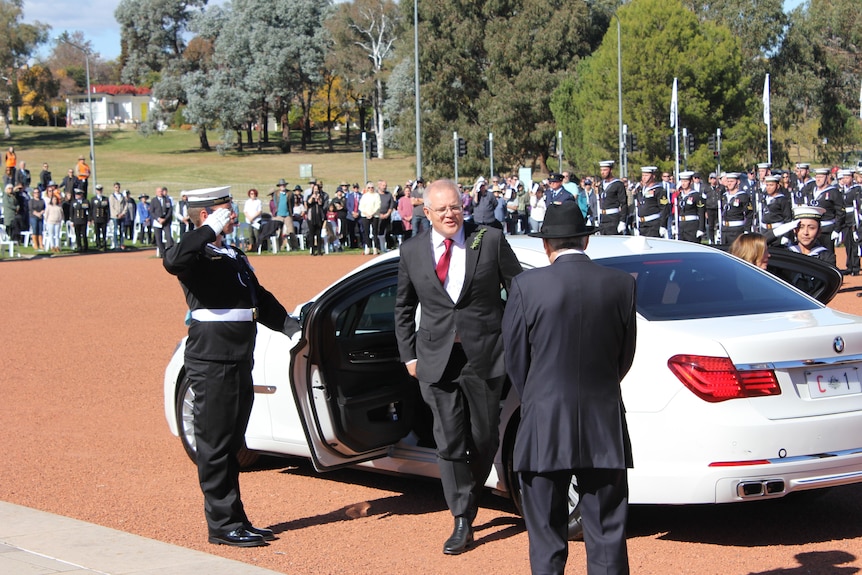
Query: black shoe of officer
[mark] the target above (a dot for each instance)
(461, 538)
(267, 534)
(240, 537)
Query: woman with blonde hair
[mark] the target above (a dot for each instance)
(751, 248)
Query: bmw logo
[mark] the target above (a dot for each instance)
(838, 344)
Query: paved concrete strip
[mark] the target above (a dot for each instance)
(36, 543)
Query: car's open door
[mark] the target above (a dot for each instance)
(353, 394)
(815, 277)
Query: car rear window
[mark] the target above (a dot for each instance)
(691, 286)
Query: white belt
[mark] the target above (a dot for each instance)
(610, 212)
(224, 314)
(690, 218)
(827, 223)
(651, 218)
(733, 223)
(850, 210)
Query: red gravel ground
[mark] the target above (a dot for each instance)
(85, 343)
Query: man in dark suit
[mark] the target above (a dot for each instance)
(456, 274)
(162, 213)
(566, 352)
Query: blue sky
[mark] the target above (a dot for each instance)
(95, 18)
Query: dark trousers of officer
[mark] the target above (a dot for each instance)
(608, 225)
(826, 237)
(81, 241)
(164, 239)
(650, 229)
(851, 246)
(100, 230)
(688, 231)
(224, 394)
(728, 234)
(604, 511)
(711, 224)
(466, 410)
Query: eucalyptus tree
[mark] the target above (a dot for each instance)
(18, 42)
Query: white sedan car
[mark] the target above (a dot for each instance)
(742, 387)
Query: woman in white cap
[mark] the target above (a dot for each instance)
(808, 234)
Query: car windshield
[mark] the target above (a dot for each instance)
(705, 285)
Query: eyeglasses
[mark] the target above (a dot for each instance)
(444, 210)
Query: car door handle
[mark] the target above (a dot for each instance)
(371, 357)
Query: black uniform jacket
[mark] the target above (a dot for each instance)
(570, 332)
(212, 279)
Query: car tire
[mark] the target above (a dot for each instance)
(576, 528)
(186, 426)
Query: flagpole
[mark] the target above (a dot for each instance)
(674, 121)
(766, 119)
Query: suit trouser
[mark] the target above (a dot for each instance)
(466, 410)
(851, 247)
(224, 394)
(604, 511)
(164, 239)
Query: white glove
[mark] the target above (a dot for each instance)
(835, 236)
(637, 232)
(662, 232)
(218, 220)
(856, 236)
(784, 228)
(785, 241)
(699, 234)
(621, 227)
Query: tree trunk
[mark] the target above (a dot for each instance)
(378, 116)
(202, 136)
(284, 118)
(249, 136)
(239, 140)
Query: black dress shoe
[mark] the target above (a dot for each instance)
(461, 538)
(267, 534)
(238, 538)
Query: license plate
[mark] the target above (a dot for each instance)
(833, 382)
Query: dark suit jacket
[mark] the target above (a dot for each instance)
(158, 211)
(569, 332)
(475, 317)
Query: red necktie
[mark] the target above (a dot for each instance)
(443, 264)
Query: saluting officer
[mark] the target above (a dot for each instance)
(828, 197)
(776, 207)
(80, 215)
(736, 209)
(100, 212)
(850, 193)
(691, 207)
(804, 191)
(613, 202)
(225, 303)
(651, 205)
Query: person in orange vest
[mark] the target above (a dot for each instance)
(82, 171)
(11, 163)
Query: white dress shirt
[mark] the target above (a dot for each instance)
(457, 264)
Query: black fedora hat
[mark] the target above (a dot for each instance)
(564, 221)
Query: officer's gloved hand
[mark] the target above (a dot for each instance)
(784, 228)
(835, 236)
(856, 236)
(291, 326)
(621, 227)
(637, 232)
(218, 220)
(699, 234)
(662, 232)
(785, 241)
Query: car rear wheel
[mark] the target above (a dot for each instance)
(186, 426)
(576, 529)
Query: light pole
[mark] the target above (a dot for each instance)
(416, 88)
(622, 141)
(89, 101)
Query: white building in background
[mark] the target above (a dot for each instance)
(112, 106)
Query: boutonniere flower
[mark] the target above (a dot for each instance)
(478, 239)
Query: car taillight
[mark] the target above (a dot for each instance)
(716, 379)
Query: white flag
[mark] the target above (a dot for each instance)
(673, 105)
(766, 100)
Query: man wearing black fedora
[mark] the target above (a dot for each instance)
(566, 353)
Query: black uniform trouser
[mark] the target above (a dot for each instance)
(711, 223)
(650, 229)
(826, 237)
(851, 246)
(728, 234)
(466, 410)
(604, 510)
(101, 233)
(81, 242)
(688, 231)
(224, 394)
(608, 224)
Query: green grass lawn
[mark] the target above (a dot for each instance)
(174, 159)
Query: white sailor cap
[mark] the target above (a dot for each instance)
(208, 197)
(803, 166)
(808, 212)
(764, 166)
(649, 170)
(686, 175)
(844, 173)
(733, 175)
(822, 171)
(775, 179)
(606, 164)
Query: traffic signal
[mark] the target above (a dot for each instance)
(372, 148)
(670, 144)
(487, 148)
(634, 142)
(712, 142)
(462, 147)
(691, 143)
